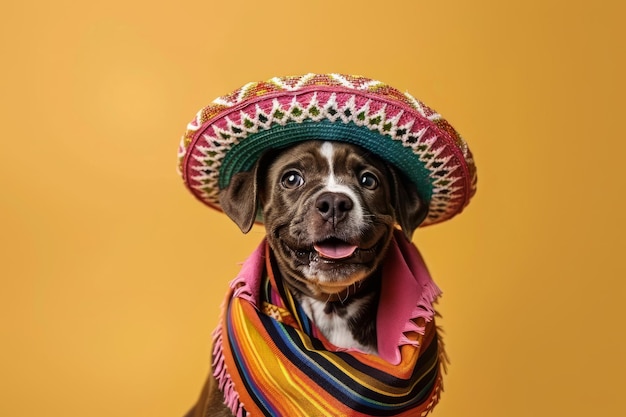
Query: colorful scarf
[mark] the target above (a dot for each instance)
(270, 360)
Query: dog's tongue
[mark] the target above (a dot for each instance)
(334, 250)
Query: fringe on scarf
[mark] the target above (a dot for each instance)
(424, 310)
(241, 289)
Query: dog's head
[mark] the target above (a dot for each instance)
(329, 210)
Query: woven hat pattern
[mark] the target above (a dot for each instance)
(229, 135)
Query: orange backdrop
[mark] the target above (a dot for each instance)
(112, 274)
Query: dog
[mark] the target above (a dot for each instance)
(330, 210)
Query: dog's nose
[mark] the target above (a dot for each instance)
(333, 207)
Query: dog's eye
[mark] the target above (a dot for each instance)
(369, 181)
(292, 179)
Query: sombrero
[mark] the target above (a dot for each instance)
(230, 135)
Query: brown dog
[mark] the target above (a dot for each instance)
(330, 210)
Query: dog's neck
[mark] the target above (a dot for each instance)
(347, 319)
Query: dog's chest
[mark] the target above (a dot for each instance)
(339, 323)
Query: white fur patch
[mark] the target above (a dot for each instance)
(334, 186)
(334, 327)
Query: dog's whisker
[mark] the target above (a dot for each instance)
(328, 299)
(347, 295)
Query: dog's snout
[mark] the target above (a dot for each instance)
(333, 206)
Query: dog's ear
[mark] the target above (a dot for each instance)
(409, 208)
(240, 199)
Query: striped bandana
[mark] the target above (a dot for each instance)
(270, 360)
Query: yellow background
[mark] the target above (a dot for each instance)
(112, 274)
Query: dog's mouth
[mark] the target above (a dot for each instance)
(331, 264)
(333, 250)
